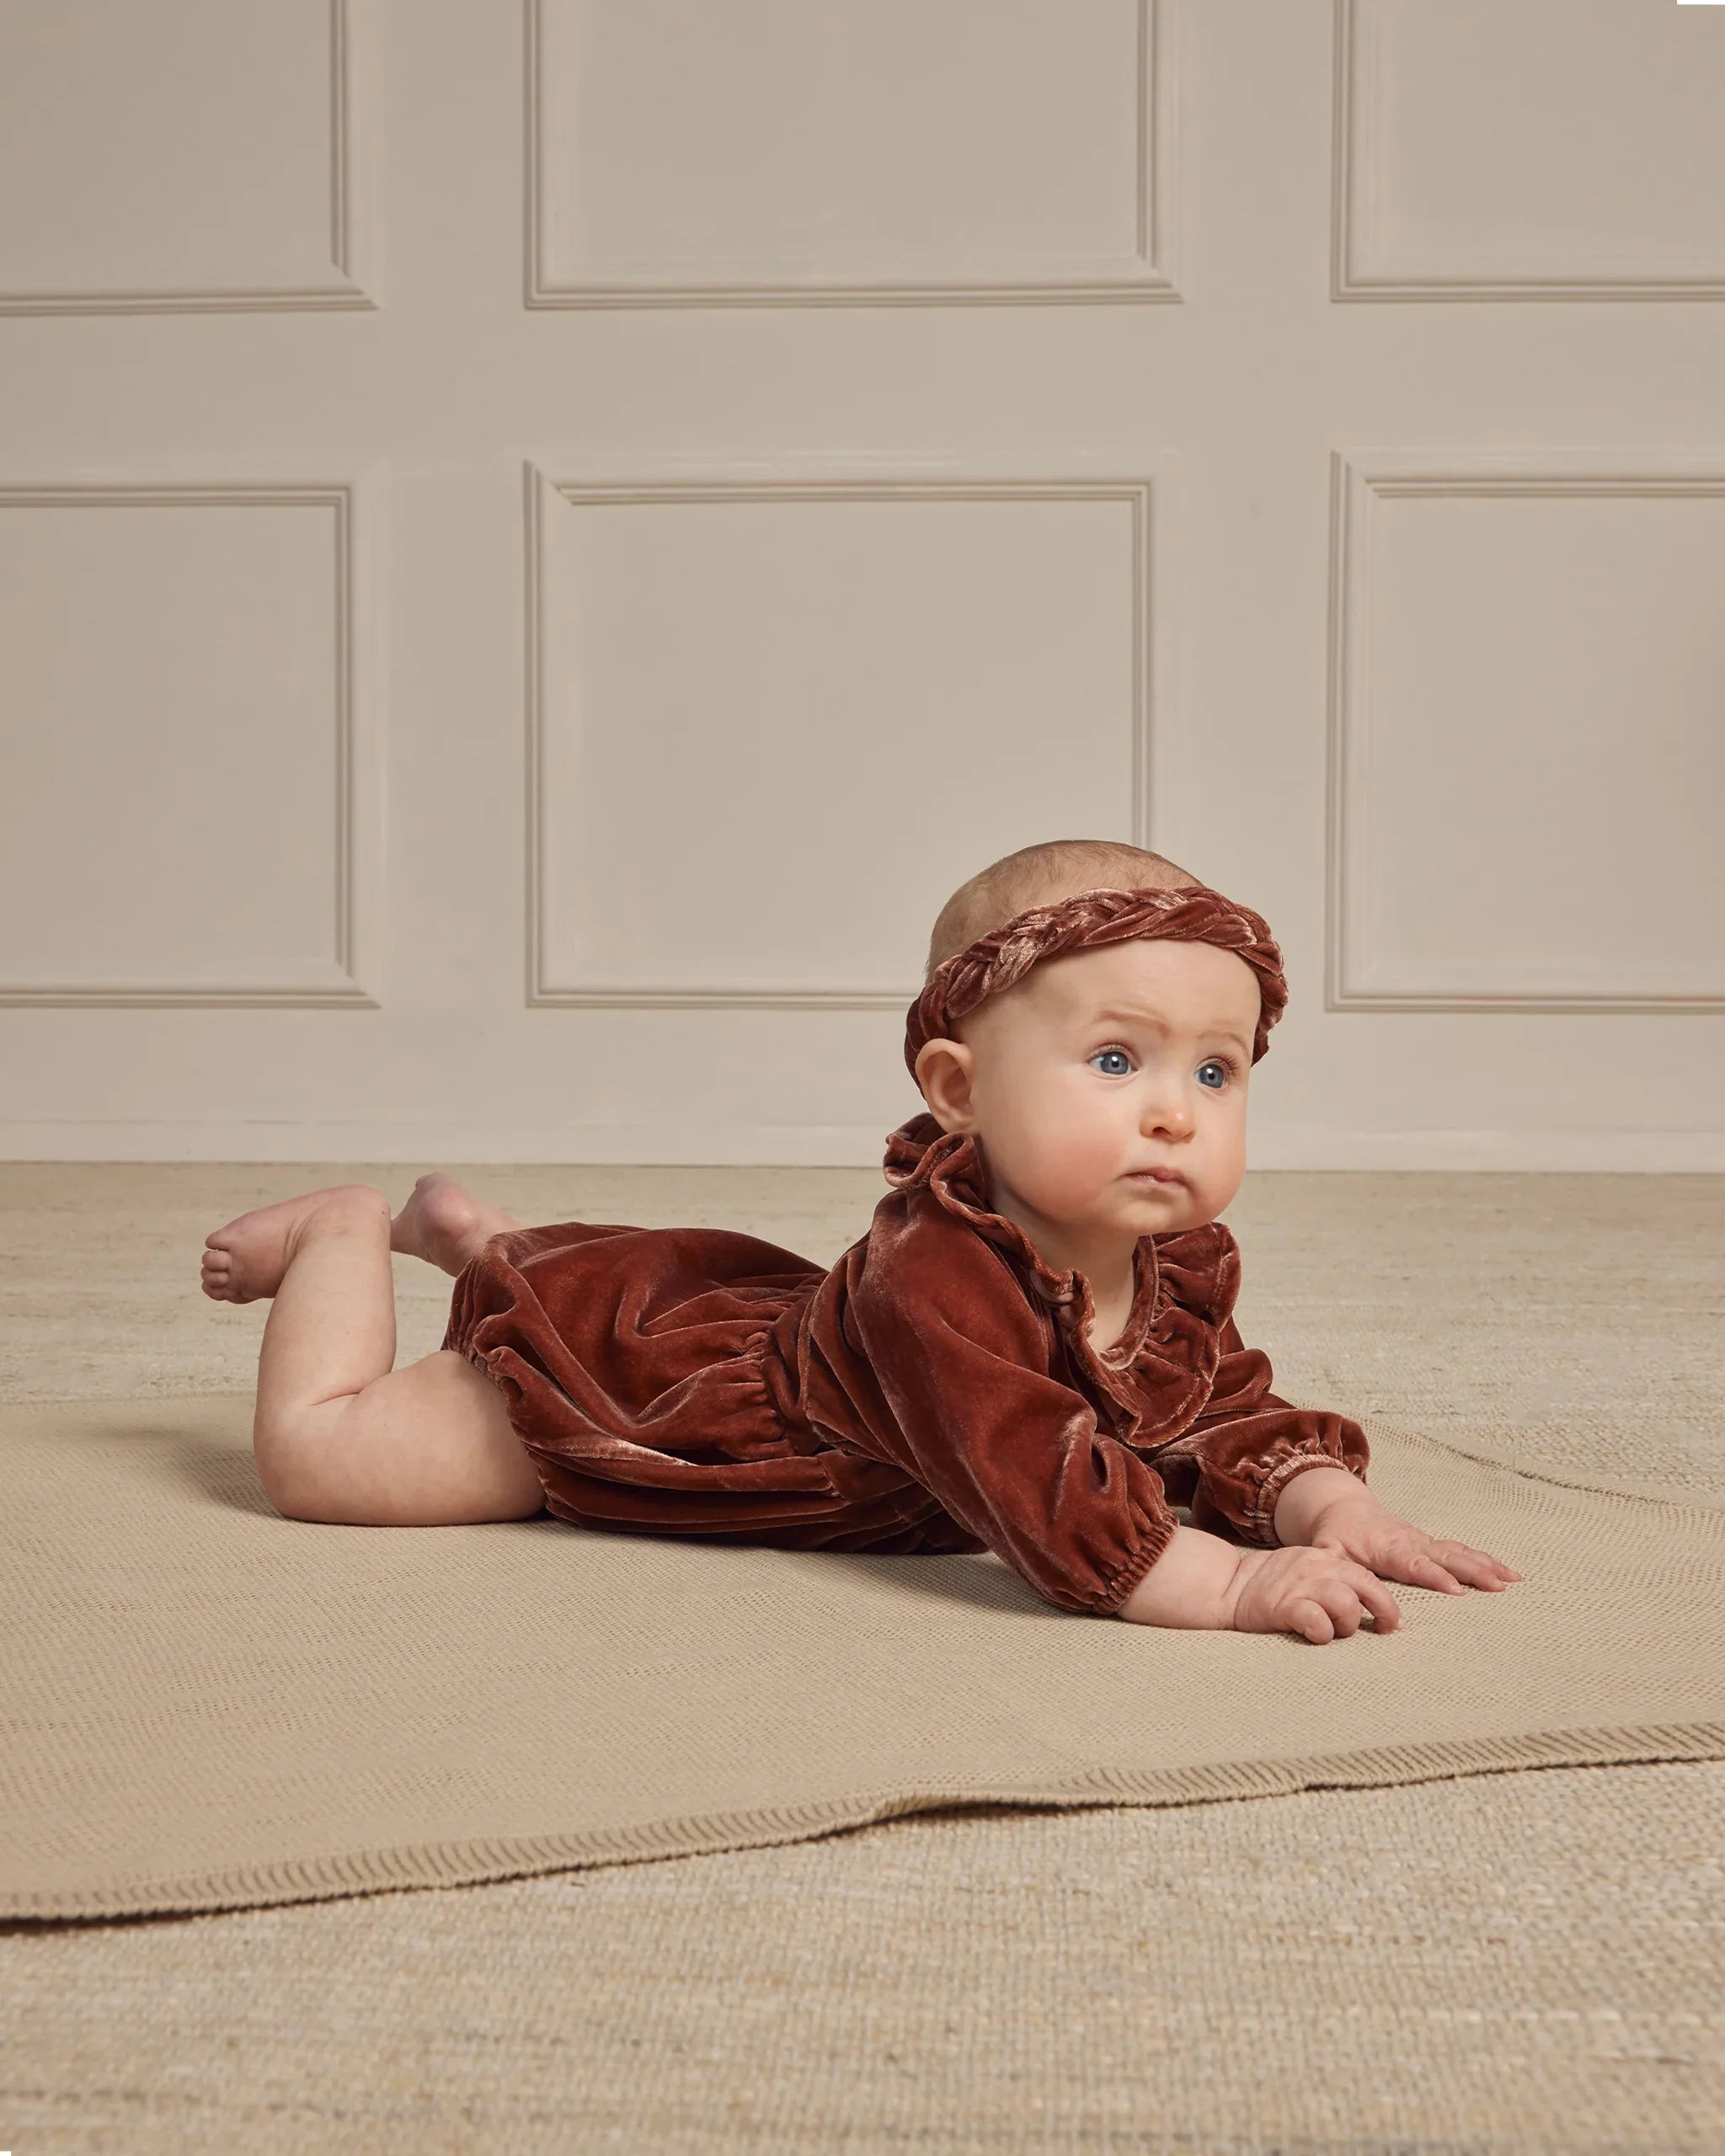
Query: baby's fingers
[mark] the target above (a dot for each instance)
(1477, 1565)
(1332, 1609)
(1380, 1605)
(1417, 1569)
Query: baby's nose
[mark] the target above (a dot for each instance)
(1167, 1111)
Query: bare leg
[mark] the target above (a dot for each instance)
(339, 1435)
(446, 1224)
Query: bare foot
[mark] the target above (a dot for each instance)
(446, 1224)
(245, 1260)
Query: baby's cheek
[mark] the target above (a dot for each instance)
(1085, 1164)
(1061, 1152)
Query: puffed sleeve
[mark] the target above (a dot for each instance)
(961, 1364)
(1250, 1444)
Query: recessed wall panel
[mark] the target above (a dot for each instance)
(176, 778)
(768, 720)
(770, 149)
(1529, 148)
(1530, 758)
(190, 153)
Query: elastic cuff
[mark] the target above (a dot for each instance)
(1260, 1523)
(1118, 1587)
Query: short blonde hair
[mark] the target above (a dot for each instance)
(1038, 876)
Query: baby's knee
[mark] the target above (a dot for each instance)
(430, 1445)
(307, 1465)
(287, 1462)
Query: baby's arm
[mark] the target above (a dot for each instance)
(1340, 1546)
(1329, 1509)
(1202, 1584)
(1295, 1477)
(944, 1362)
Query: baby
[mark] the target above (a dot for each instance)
(1032, 1351)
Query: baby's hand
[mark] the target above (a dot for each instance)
(1316, 1593)
(1396, 1550)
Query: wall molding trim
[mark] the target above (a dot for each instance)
(1147, 275)
(1362, 261)
(899, 483)
(342, 294)
(358, 866)
(1359, 480)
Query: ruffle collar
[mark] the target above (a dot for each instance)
(1160, 1370)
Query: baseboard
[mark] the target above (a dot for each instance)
(1569, 1152)
(425, 1144)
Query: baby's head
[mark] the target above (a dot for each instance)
(1099, 1040)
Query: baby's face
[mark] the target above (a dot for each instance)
(1110, 1062)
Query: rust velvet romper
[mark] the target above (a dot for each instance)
(935, 1391)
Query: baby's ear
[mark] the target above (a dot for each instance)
(945, 1071)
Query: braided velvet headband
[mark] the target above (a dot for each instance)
(1002, 958)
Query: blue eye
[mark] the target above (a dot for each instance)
(1123, 1066)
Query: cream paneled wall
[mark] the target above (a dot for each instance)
(1020, 616)
(537, 544)
(769, 150)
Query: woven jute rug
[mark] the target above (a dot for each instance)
(210, 1707)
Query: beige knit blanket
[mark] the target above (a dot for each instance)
(207, 1706)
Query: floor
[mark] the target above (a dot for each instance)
(1513, 1962)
